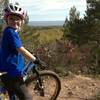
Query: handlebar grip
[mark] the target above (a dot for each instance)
(3, 73)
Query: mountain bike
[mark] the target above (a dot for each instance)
(44, 84)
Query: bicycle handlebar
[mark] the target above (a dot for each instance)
(3, 73)
(31, 65)
(41, 63)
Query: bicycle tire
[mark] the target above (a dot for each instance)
(56, 86)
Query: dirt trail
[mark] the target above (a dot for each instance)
(75, 87)
(79, 88)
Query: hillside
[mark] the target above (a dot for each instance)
(59, 54)
(40, 36)
(63, 57)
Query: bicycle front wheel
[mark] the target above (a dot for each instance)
(51, 86)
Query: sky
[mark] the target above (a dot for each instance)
(51, 10)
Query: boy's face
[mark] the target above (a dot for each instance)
(14, 21)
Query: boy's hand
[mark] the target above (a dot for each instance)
(40, 63)
(37, 61)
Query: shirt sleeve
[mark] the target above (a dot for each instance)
(14, 40)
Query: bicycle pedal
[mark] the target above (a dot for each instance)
(24, 78)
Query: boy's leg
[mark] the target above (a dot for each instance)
(23, 93)
(16, 86)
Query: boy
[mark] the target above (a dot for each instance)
(12, 52)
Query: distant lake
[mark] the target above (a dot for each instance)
(46, 23)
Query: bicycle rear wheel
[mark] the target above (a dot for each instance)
(51, 86)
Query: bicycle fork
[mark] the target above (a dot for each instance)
(39, 84)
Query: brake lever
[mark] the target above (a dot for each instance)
(42, 65)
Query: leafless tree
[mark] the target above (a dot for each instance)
(3, 3)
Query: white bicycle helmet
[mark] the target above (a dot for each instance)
(14, 9)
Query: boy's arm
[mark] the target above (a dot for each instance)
(26, 53)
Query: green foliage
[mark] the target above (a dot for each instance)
(73, 27)
(81, 31)
(86, 31)
(61, 55)
(73, 14)
(93, 9)
(93, 20)
(76, 32)
(36, 36)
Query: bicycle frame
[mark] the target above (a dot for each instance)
(34, 73)
(32, 67)
(29, 67)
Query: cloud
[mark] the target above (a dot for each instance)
(51, 9)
